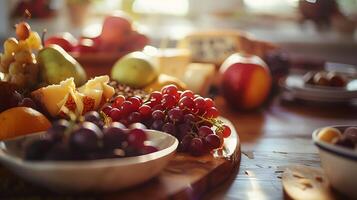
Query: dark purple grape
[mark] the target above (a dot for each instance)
(36, 150)
(132, 151)
(206, 123)
(114, 136)
(196, 147)
(351, 134)
(56, 132)
(189, 118)
(185, 143)
(136, 138)
(148, 149)
(169, 128)
(85, 138)
(158, 114)
(175, 115)
(183, 129)
(92, 116)
(203, 131)
(28, 102)
(100, 155)
(345, 142)
(61, 151)
(157, 125)
(213, 141)
(134, 117)
(148, 122)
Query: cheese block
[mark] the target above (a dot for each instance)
(170, 61)
(199, 77)
(60, 98)
(215, 46)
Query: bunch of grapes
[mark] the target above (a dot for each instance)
(18, 62)
(183, 114)
(88, 139)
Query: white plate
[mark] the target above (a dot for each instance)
(296, 86)
(89, 176)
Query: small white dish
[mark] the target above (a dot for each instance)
(89, 176)
(296, 86)
(339, 163)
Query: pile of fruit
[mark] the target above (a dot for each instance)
(183, 114)
(323, 78)
(346, 138)
(88, 139)
(18, 62)
(26, 64)
(41, 84)
(117, 36)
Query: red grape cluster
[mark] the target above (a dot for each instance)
(88, 140)
(183, 114)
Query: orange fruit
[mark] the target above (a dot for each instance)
(19, 121)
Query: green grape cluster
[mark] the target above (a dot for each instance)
(18, 61)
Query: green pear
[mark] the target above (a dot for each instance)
(57, 65)
(135, 69)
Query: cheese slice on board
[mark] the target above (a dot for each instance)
(170, 61)
(215, 46)
(199, 77)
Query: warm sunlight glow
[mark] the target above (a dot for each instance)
(271, 5)
(171, 7)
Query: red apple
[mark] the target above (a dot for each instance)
(135, 42)
(86, 45)
(115, 29)
(246, 81)
(64, 40)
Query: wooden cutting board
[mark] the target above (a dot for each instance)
(185, 177)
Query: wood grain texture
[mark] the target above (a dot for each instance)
(274, 137)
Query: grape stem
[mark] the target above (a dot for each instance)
(43, 37)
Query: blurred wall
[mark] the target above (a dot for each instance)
(4, 18)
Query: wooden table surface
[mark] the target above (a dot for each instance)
(272, 138)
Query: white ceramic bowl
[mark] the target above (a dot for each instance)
(339, 163)
(89, 176)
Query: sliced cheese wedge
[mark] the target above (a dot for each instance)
(53, 97)
(199, 77)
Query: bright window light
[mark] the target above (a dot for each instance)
(169, 7)
(271, 5)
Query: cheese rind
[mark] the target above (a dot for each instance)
(215, 46)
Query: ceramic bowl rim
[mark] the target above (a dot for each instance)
(92, 164)
(334, 149)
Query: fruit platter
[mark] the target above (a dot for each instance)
(67, 132)
(117, 38)
(322, 86)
